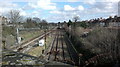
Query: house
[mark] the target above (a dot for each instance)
(109, 22)
(115, 22)
(4, 20)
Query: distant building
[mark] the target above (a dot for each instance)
(115, 22)
(3, 20)
(6, 21)
(109, 22)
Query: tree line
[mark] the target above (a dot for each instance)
(16, 20)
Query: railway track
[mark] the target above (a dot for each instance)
(52, 46)
(63, 52)
(53, 49)
(59, 50)
(23, 46)
(56, 47)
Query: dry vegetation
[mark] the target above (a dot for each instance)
(37, 51)
(103, 39)
(100, 41)
(104, 43)
(27, 35)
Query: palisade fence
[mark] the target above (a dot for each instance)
(73, 52)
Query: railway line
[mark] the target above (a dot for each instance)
(23, 46)
(59, 49)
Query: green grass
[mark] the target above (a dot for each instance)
(37, 51)
(8, 34)
(27, 35)
(6, 31)
(49, 41)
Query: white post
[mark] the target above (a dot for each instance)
(17, 36)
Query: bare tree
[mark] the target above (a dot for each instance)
(76, 18)
(36, 19)
(44, 24)
(14, 16)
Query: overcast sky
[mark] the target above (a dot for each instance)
(60, 10)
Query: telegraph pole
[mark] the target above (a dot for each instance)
(45, 28)
(45, 38)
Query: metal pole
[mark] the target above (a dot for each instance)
(4, 44)
(80, 55)
(71, 31)
(79, 61)
(45, 38)
(17, 33)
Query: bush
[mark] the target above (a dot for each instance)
(103, 40)
(8, 31)
(83, 24)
